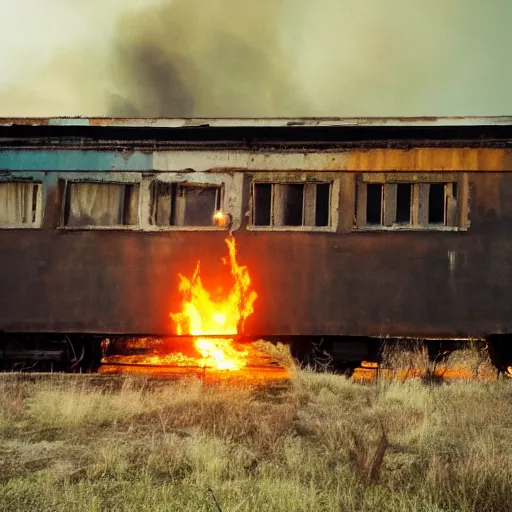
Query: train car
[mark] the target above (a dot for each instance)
(354, 230)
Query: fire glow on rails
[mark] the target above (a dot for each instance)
(204, 315)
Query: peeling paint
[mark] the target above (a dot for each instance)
(373, 160)
(329, 282)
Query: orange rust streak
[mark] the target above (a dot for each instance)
(427, 159)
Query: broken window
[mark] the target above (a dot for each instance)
(403, 203)
(322, 204)
(176, 204)
(20, 204)
(408, 205)
(374, 203)
(262, 204)
(101, 204)
(291, 204)
(436, 203)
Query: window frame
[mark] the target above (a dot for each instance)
(33, 179)
(230, 185)
(231, 201)
(121, 180)
(420, 188)
(278, 179)
(180, 186)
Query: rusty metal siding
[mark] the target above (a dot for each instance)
(277, 160)
(369, 160)
(373, 284)
(427, 159)
(309, 283)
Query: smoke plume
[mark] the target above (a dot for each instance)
(283, 58)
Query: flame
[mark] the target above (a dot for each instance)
(219, 217)
(203, 314)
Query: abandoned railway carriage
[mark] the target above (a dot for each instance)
(353, 229)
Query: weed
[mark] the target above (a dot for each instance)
(321, 443)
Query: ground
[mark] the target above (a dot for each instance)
(312, 442)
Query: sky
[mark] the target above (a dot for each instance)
(33, 31)
(284, 58)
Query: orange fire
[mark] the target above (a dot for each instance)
(204, 314)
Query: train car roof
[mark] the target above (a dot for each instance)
(257, 122)
(132, 133)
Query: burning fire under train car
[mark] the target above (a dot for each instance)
(350, 231)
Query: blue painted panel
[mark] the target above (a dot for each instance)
(69, 121)
(27, 160)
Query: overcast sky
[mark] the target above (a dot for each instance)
(33, 31)
(255, 57)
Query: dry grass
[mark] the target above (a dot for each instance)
(322, 443)
(411, 359)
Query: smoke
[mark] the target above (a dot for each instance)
(280, 58)
(197, 57)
